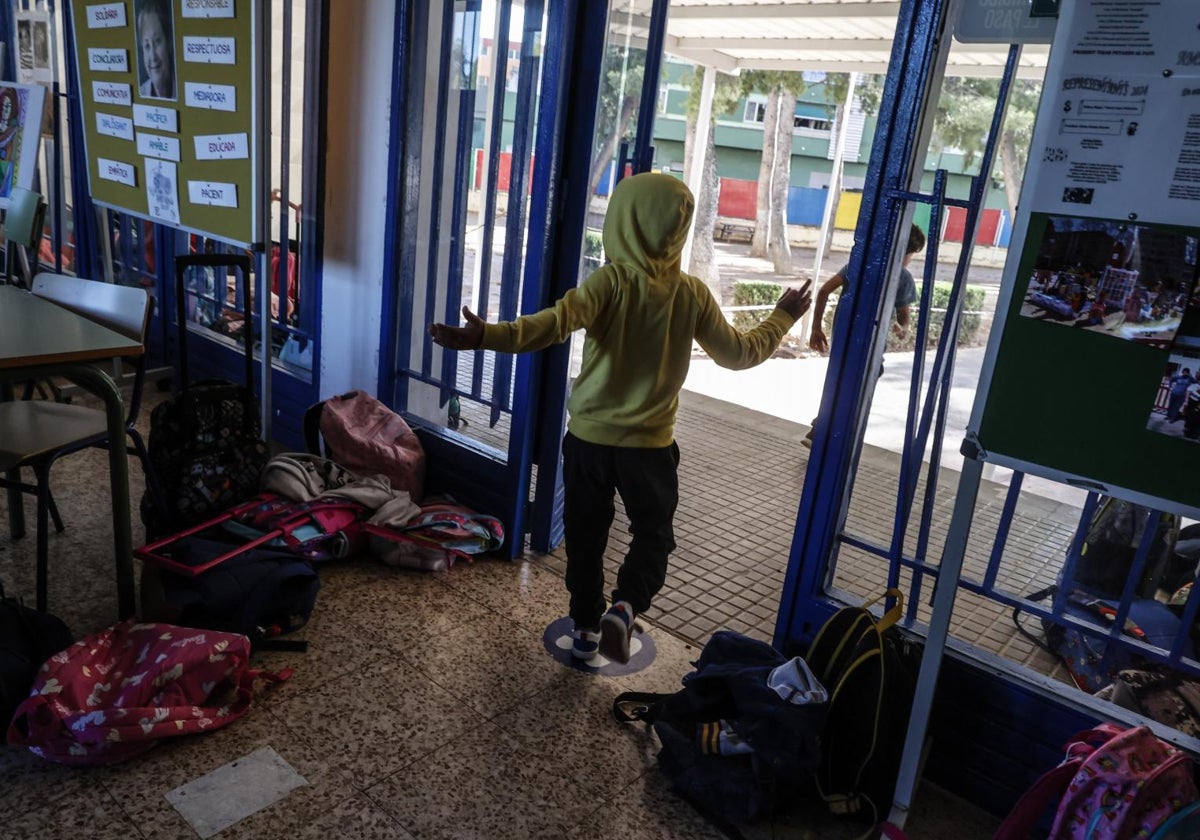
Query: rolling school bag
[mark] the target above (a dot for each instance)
(206, 447)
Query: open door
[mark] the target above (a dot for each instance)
(488, 116)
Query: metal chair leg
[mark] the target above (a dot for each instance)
(42, 471)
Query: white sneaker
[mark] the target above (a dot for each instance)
(616, 628)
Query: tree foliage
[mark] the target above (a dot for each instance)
(616, 114)
(964, 119)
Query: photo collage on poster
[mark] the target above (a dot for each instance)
(1176, 410)
(1129, 282)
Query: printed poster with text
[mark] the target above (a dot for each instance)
(170, 111)
(1123, 138)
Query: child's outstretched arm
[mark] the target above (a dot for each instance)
(459, 338)
(731, 348)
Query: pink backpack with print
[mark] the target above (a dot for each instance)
(1115, 784)
(113, 695)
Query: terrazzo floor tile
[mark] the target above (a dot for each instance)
(527, 591)
(673, 658)
(356, 818)
(572, 724)
(89, 815)
(140, 786)
(489, 663)
(407, 609)
(646, 808)
(387, 715)
(509, 792)
(340, 577)
(335, 647)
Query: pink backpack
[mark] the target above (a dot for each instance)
(368, 438)
(1115, 784)
(113, 695)
(435, 538)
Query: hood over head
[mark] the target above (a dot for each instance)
(647, 223)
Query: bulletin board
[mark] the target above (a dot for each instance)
(1094, 358)
(171, 111)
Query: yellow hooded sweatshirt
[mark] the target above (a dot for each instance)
(641, 314)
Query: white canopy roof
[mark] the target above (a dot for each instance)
(820, 35)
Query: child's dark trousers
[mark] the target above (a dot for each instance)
(648, 482)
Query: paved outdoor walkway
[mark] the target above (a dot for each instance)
(741, 477)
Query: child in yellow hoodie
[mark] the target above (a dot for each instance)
(641, 314)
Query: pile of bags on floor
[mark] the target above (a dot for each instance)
(254, 567)
(1124, 540)
(227, 581)
(754, 734)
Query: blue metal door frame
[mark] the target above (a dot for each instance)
(857, 345)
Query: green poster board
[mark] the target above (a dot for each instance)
(170, 111)
(1102, 323)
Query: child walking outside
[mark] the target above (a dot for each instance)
(641, 314)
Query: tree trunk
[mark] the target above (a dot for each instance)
(704, 262)
(762, 213)
(778, 247)
(608, 148)
(835, 185)
(1010, 165)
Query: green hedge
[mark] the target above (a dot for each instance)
(754, 293)
(969, 333)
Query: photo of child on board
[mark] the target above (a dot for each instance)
(1176, 410)
(1128, 281)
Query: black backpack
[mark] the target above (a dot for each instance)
(725, 701)
(261, 594)
(1111, 544)
(27, 639)
(870, 672)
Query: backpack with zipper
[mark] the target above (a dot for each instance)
(1114, 784)
(741, 738)
(117, 693)
(870, 674)
(435, 538)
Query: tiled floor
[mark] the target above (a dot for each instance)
(427, 705)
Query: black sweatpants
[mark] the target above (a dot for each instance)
(648, 482)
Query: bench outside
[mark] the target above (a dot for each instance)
(739, 229)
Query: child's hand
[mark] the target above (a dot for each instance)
(459, 338)
(817, 340)
(795, 302)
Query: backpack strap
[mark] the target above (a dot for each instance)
(257, 598)
(893, 615)
(633, 706)
(312, 429)
(1048, 789)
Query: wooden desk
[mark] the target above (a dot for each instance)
(38, 339)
